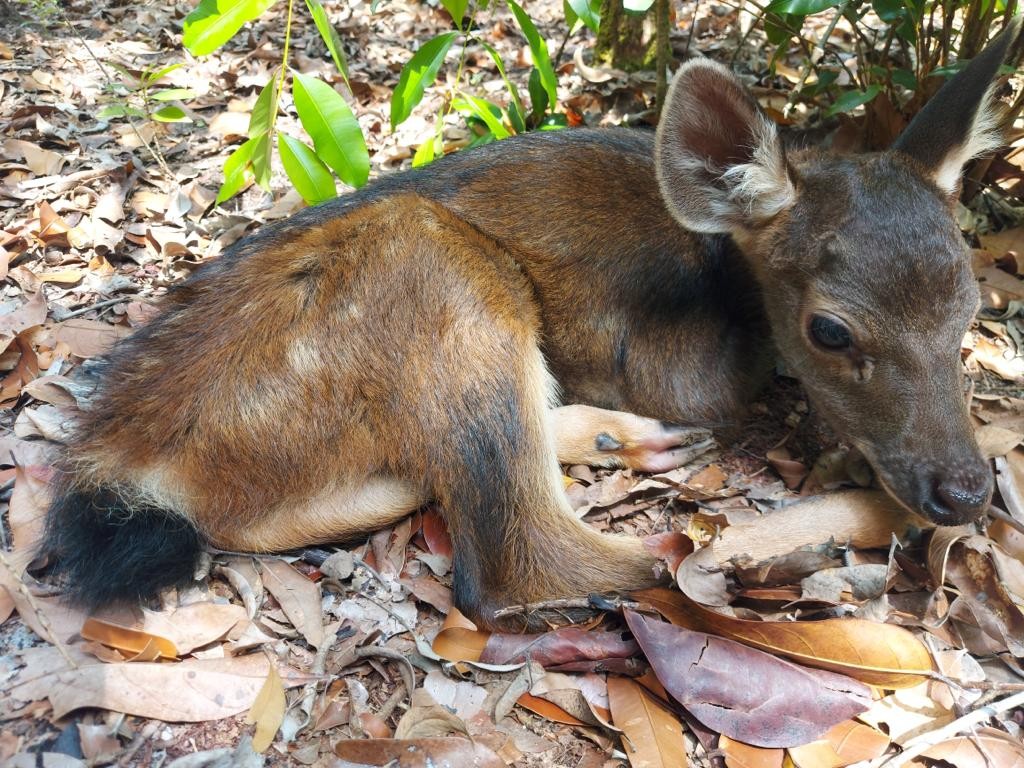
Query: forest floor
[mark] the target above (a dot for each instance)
(99, 216)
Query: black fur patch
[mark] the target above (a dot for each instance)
(108, 552)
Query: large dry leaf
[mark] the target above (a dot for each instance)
(652, 736)
(878, 654)
(89, 338)
(32, 312)
(190, 691)
(193, 625)
(29, 502)
(744, 693)
(418, 753)
(298, 596)
(845, 744)
(863, 519)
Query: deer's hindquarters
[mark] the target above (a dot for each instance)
(319, 384)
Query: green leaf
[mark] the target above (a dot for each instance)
(889, 10)
(419, 72)
(779, 28)
(905, 78)
(307, 172)
(215, 22)
(538, 96)
(554, 122)
(333, 128)
(853, 99)
(489, 114)
(637, 6)
(539, 51)
(456, 9)
(261, 123)
(160, 74)
(171, 114)
(516, 113)
(119, 110)
(329, 35)
(588, 12)
(237, 171)
(173, 94)
(801, 7)
(425, 153)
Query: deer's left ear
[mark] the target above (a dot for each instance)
(961, 121)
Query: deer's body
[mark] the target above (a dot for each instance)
(410, 342)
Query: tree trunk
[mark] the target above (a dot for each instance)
(620, 41)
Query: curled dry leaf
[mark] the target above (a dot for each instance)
(131, 642)
(298, 596)
(652, 736)
(744, 693)
(427, 719)
(549, 710)
(702, 579)
(451, 752)
(877, 654)
(845, 744)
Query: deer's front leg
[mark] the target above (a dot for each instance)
(602, 438)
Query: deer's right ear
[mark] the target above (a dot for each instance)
(721, 166)
(960, 122)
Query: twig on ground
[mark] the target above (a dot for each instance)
(97, 306)
(1006, 517)
(920, 744)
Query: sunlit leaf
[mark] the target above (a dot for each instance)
(853, 99)
(171, 114)
(485, 112)
(158, 75)
(588, 12)
(456, 9)
(334, 129)
(424, 153)
(539, 51)
(329, 35)
(419, 72)
(516, 113)
(172, 94)
(237, 171)
(307, 172)
(215, 22)
(801, 7)
(637, 6)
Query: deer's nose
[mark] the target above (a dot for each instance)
(959, 500)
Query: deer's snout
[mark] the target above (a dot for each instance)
(959, 497)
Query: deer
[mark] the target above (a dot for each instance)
(603, 296)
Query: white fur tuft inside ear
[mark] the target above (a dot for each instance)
(762, 187)
(984, 137)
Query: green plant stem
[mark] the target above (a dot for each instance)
(805, 72)
(284, 66)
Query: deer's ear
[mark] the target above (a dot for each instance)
(721, 166)
(960, 122)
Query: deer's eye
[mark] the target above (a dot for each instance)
(830, 334)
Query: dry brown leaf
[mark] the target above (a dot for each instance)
(791, 471)
(29, 314)
(740, 755)
(878, 654)
(189, 691)
(29, 501)
(193, 625)
(988, 748)
(843, 745)
(995, 441)
(548, 710)
(459, 639)
(426, 719)
(267, 711)
(451, 752)
(652, 736)
(89, 338)
(298, 596)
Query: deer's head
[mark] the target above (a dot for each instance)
(865, 276)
